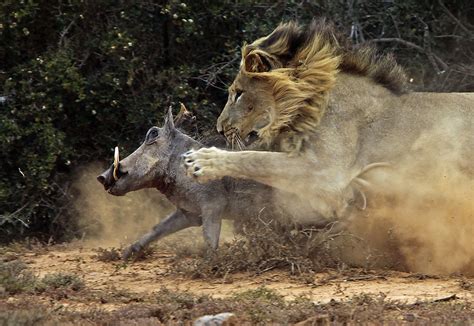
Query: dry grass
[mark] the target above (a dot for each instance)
(115, 254)
(16, 278)
(108, 255)
(260, 306)
(144, 254)
(262, 246)
(62, 281)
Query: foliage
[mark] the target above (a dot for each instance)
(15, 277)
(60, 280)
(79, 77)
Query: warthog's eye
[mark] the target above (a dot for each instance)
(152, 134)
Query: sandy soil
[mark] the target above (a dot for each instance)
(146, 277)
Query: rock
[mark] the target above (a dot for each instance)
(317, 320)
(409, 317)
(222, 319)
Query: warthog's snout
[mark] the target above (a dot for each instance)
(110, 176)
(101, 178)
(106, 178)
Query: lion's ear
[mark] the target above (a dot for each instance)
(260, 61)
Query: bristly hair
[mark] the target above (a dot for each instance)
(302, 66)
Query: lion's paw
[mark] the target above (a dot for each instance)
(203, 164)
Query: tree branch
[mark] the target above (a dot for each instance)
(458, 22)
(439, 61)
(64, 32)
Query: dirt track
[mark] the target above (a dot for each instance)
(116, 292)
(145, 277)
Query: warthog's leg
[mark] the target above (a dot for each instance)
(169, 225)
(211, 223)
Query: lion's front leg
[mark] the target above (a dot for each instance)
(272, 168)
(321, 186)
(212, 163)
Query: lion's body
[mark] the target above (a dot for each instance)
(353, 121)
(366, 123)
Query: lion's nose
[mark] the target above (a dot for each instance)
(219, 127)
(221, 121)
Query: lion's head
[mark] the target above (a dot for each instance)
(281, 90)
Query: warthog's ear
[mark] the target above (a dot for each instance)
(183, 116)
(260, 61)
(169, 124)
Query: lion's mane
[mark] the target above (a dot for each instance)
(303, 66)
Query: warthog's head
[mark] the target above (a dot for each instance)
(148, 166)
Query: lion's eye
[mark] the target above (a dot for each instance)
(238, 93)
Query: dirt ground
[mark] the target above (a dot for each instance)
(111, 286)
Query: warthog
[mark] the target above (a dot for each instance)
(157, 163)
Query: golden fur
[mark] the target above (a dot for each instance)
(302, 66)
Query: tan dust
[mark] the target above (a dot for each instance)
(422, 211)
(108, 220)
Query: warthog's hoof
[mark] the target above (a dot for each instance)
(131, 251)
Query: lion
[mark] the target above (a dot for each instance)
(312, 115)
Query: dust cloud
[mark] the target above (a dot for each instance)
(107, 220)
(421, 214)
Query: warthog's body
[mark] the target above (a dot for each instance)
(157, 164)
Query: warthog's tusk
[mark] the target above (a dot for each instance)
(116, 162)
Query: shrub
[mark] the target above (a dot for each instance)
(62, 281)
(15, 278)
